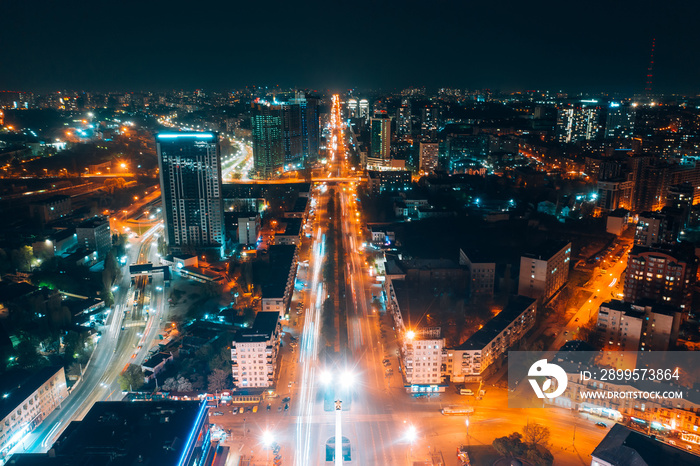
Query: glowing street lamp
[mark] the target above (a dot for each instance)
(410, 335)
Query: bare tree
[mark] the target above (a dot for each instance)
(536, 434)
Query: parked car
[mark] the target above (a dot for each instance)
(601, 424)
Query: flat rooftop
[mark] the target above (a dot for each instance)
(263, 328)
(495, 326)
(19, 384)
(125, 433)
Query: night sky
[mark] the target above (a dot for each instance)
(509, 45)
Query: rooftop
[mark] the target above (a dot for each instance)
(19, 384)
(546, 250)
(116, 433)
(93, 222)
(263, 328)
(625, 447)
(495, 326)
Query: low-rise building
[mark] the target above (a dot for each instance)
(617, 222)
(27, 399)
(51, 209)
(254, 352)
(94, 234)
(299, 208)
(291, 234)
(545, 271)
(473, 360)
(481, 272)
(155, 365)
(162, 432)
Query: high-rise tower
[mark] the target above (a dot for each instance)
(190, 181)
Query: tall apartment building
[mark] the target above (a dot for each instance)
(577, 123)
(190, 181)
(428, 156)
(619, 122)
(380, 141)
(364, 109)
(248, 228)
(664, 274)
(543, 272)
(94, 234)
(254, 352)
(27, 400)
(268, 146)
(352, 108)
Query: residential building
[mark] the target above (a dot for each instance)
(278, 287)
(481, 272)
(619, 122)
(664, 274)
(544, 272)
(299, 209)
(292, 232)
(352, 108)
(428, 156)
(364, 109)
(380, 141)
(664, 226)
(633, 327)
(579, 122)
(617, 221)
(614, 194)
(190, 180)
(421, 347)
(475, 359)
(254, 352)
(381, 181)
(248, 228)
(268, 145)
(131, 432)
(94, 235)
(26, 401)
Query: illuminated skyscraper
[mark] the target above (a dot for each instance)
(578, 122)
(268, 148)
(352, 108)
(190, 181)
(620, 121)
(364, 109)
(380, 150)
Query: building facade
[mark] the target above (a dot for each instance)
(254, 352)
(27, 401)
(190, 180)
(94, 235)
(428, 156)
(544, 272)
(664, 275)
(268, 145)
(474, 360)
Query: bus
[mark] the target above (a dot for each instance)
(456, 410)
